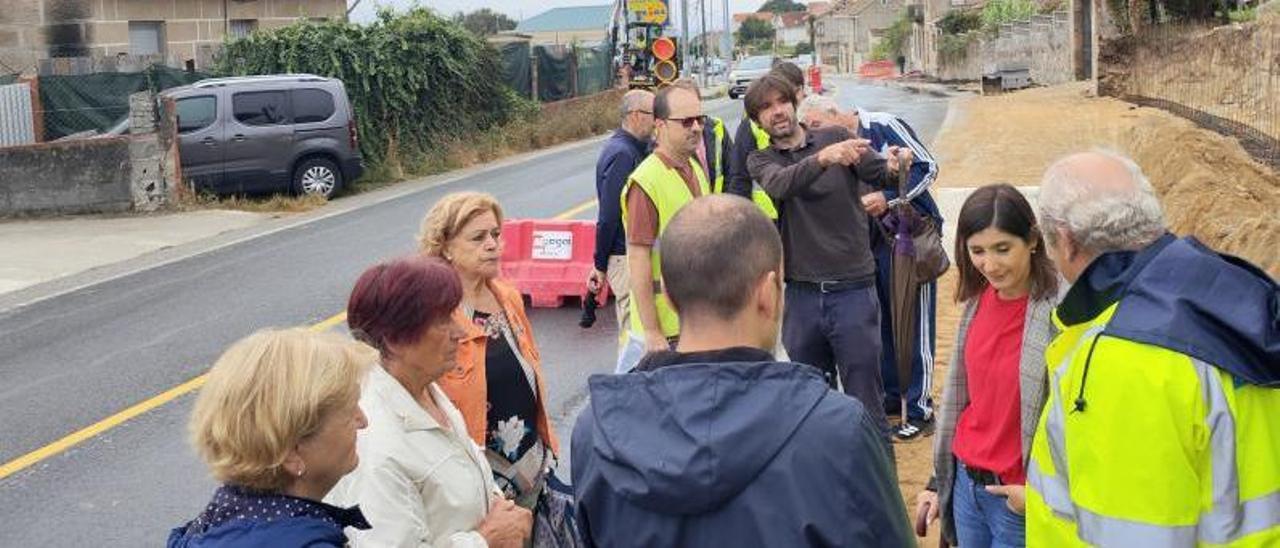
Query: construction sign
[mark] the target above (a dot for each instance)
(648, 11)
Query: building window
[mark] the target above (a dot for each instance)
(241, 28)
(146, 37)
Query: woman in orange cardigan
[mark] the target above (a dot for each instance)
(498, 383)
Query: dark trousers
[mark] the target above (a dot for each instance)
(839, 333)
(924, 344)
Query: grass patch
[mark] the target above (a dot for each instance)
(275, 203)
(551, 125)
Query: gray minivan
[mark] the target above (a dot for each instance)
(260, 134)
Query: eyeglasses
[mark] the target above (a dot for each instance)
(689, 121)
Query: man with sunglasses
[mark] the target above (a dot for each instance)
(662, 184)
(621, 154)
(832, 319)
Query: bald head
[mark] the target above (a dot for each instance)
(1101, 202)
(715, 252)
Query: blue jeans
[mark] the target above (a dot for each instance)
(983, 520)
(839, 333)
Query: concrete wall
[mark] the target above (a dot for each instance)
(103, 175)
(37, 29)
(1043, 44)
(85, 176)
(568, 37)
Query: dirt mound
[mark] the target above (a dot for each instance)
(1209, 185)
(1212, 189)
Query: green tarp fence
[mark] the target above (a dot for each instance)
(555, 72)
(560, 69)
(515, 67)
(98, 101)
(6, 79)
(594, 75)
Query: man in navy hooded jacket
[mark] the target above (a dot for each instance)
(716, 443)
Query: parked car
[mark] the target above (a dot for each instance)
(746, 71)
(261, 134)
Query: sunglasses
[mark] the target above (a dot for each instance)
(689, 121)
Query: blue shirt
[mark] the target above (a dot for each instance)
(242, 517)
(621, 154)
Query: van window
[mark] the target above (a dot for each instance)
(260, 108)
(196, 113)
(311, 105)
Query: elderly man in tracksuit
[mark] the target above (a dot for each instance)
(886, 131)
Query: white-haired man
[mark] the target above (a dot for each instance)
(1160, 426)
(888, 133)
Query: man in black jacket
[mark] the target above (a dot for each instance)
(716, 443)
(833, 312)
(621, 154)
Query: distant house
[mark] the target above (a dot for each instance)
(170, 31)
(789, 28)
(792, 28)
(581, 24)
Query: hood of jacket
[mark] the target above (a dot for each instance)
(686, 439)
(1179, 294)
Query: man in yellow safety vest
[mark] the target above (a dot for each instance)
(662, 184)
(1161, 426)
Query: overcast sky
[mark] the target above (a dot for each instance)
(523, 9)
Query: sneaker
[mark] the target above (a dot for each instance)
(913, 430)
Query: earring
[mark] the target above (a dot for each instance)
(302, 470)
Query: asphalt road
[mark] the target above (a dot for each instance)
(69, 361)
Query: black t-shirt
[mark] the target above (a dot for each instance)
(513, 406)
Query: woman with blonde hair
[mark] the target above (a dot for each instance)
(498, 384)
(276, 423)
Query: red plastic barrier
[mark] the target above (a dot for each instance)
(549, 260)
(815, 79)
(877, 70)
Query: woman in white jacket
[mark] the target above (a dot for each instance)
(421, 480)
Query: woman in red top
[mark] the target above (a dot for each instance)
(995, 387)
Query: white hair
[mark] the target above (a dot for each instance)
(634, 100)
(1100, 215)
(814, 103)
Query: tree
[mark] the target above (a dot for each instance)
(484, 22)
(782, 6)
(753, 30)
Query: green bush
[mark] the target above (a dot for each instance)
(414, 79)
(960, 21)
(893, 42)
(1243, 15)
(999, 12)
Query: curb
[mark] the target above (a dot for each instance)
(15, 300)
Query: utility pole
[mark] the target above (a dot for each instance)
(685, 42)
(726, 41)
(702, 7)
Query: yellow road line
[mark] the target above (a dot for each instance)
(71, 440)
(575, 210)
(21, 463)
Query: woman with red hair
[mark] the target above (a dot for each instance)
(421, 480)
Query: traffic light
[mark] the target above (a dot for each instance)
(664, 53)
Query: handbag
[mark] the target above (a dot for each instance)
(931, 260)
(555, 523)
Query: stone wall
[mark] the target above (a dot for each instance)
(83, 176)
(96, 175)
(1041, 44)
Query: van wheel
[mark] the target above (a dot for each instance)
(317, 176)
